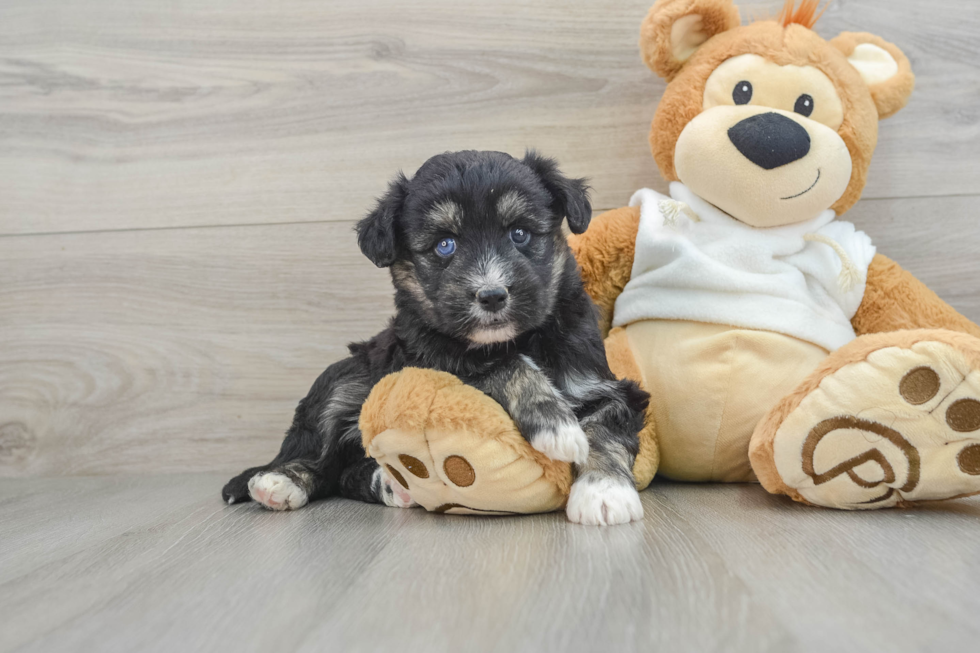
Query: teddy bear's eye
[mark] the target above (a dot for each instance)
(742, 93)
(804, 105)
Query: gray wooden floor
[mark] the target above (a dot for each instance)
(178, 186)
(159, 564)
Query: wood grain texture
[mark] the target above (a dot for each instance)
(178, 182)
(161, 114)
(172, 349)
(159, 564)
(187, 349)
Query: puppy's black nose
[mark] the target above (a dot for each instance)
(493, 299)
(770, 140)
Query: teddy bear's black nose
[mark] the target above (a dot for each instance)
(770, 140)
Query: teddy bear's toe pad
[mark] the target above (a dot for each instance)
(901, 426)
(463, 472)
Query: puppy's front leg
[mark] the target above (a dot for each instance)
(543, 417)
(605, 491)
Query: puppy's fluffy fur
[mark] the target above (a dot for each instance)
(487, 289)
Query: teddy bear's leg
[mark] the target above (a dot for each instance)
(455, 450)
(888, 420)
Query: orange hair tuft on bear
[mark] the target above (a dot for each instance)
(806, 15)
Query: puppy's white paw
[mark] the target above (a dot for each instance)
(566, 442)
(603, 502)
(392, 493)
(276, 491)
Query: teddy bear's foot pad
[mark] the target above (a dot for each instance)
(450, 448)
(900, 426)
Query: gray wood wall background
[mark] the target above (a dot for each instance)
(179, 180)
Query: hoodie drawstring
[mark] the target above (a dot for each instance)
(849, 274)
(671, 210)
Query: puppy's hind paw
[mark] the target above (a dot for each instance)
(276, 491)
(566, 442)
(603, 502)
(392, 493)
(236, 490)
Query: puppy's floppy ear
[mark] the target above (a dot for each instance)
(376, 232)
(882, 66)
(569, 197)
(675, 29)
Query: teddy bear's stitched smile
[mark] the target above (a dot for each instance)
(807, 190)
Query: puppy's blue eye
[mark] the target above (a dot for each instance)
(519, 236)
(446, 247)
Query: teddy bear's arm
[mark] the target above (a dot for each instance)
(894, 300)
(605, 256)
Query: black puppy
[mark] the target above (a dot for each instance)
(487, 289)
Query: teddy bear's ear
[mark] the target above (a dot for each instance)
(882, 66)
(675, 29)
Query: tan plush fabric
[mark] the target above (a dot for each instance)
(888, 420)
(792, 45)
(710, 385)
(894, 299)
(456, 449)
(674, 27)
(605, 258)
(761, 449)
(889, 96)
(717, 172)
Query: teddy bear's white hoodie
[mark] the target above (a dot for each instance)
(695, 262)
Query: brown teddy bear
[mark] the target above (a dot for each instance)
(776, 343)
